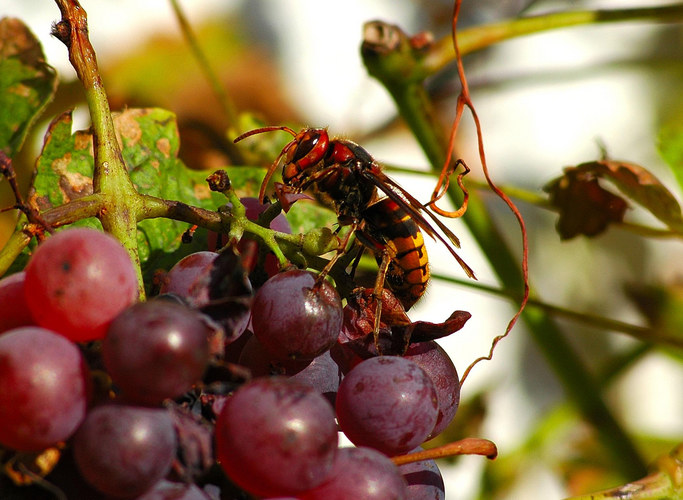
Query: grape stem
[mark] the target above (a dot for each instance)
(467, 446)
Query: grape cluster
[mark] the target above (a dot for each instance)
(220, 387)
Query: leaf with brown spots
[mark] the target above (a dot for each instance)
(149, 144)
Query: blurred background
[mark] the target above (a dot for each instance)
(546, 101)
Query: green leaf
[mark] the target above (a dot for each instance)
(670, 144)
(305, 216)
(27, 83)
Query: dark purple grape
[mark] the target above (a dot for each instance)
(156, 350)
(123, 451)
(431, 357)
(424, 480)
(361, 473)
(14, 311)
(233, 350)
(323, 374)
(167, 490)
(387, 403)
(276, 437)
(188, 278)
(77, 281)
(43, 388)
(294, 317)
(262, 364)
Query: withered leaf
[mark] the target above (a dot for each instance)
(585, 207)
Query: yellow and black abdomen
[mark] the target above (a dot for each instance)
(395, 233)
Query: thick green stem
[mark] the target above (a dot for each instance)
(14, 246)
(391, 58)
(110, 176)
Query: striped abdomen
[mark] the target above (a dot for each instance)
(390, 229)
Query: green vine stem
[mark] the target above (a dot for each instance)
(110, 177)
(664, 483)
(441, 53)
(642, 333)
(393, 58)
(537, 200)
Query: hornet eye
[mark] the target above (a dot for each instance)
(306, 145)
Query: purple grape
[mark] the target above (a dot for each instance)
(323, 374)
(43, 388)
(361, 473)
(294, 317)
(431, 357)
(188, 277)
(387, 403)
(167, 490)
(276, 437)
(424, 480)
(14, 311)
(156, 350)
(123, 451)
(262, 364)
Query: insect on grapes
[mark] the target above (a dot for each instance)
(386, 219)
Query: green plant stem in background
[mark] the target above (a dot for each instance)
(537, 200)
(391, 58)
(219, 91)
(441, 52)
(664, 483)
(642, 333)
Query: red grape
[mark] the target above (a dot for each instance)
(156, 350)
(388, 403)
(77, 281)
(124, 450)
(276, 437)
(43, 388)
(14, 311)
(294, 317)
(361, 473)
